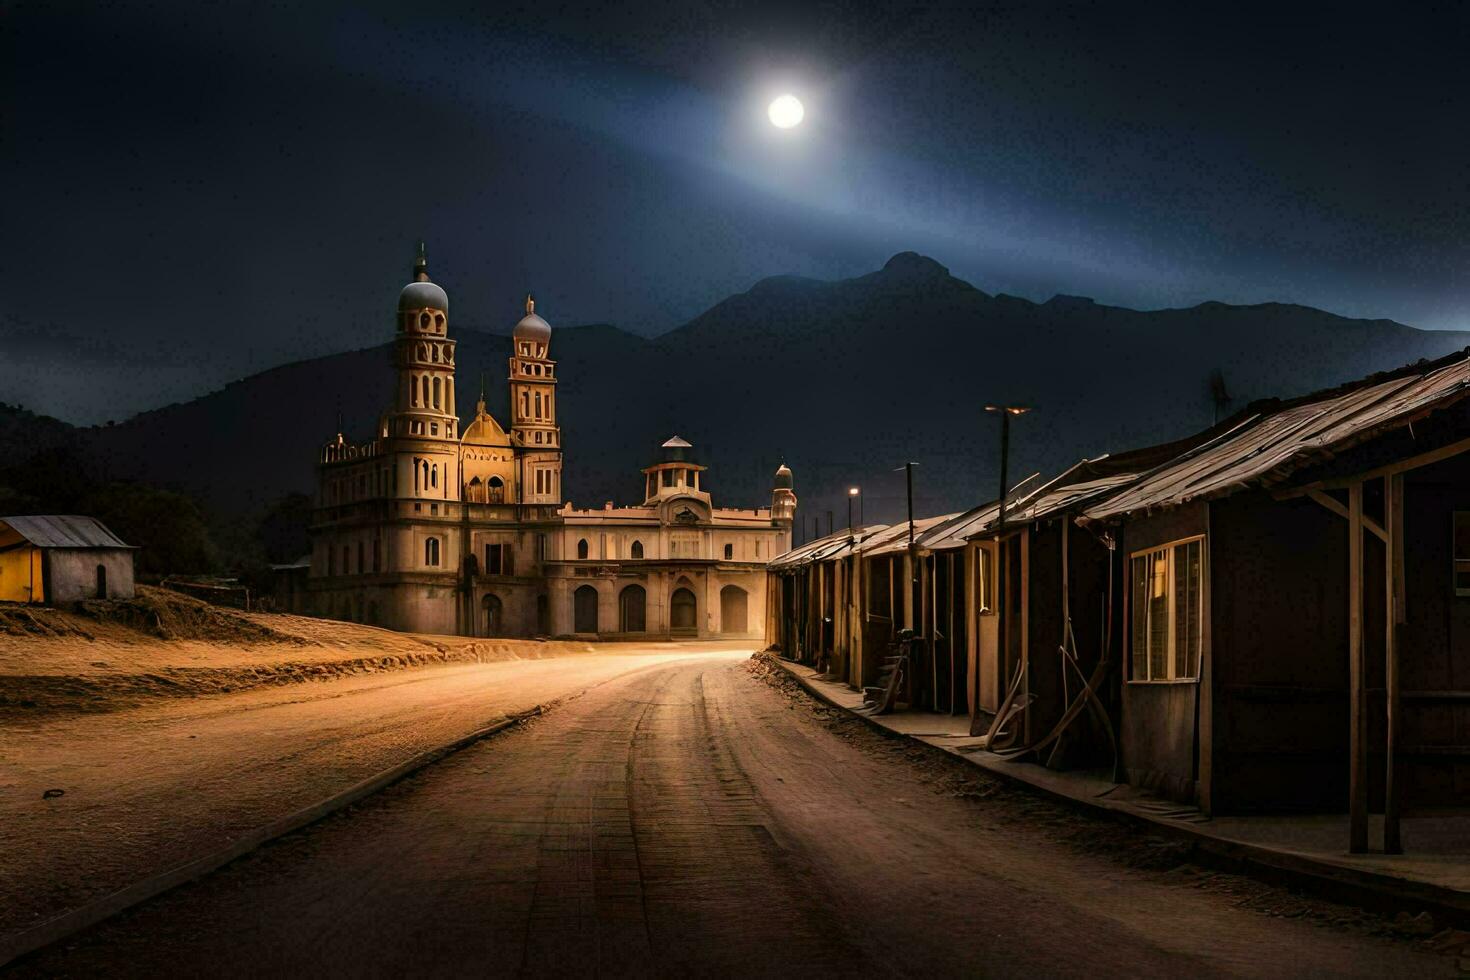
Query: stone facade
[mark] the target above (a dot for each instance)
(430, 529)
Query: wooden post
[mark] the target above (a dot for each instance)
(1393, 519)
(1357, 692)
(1025, 626)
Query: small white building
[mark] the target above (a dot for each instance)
(62, 558)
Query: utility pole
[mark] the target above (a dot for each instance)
(1005, 412)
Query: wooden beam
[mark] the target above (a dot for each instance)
(1332, 504)
(1391, 469)
(1317, 496)
(1393, 515)
(1357, 693)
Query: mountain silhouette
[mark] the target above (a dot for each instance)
(843, 380)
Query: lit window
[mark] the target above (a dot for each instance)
(1462, 552)
(1167, 611)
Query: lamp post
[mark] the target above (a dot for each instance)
(1006, 412)
(852, 494)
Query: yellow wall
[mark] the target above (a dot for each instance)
(20, 575)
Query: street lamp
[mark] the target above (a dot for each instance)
(852, 493)
(1005, 412)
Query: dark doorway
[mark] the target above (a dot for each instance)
(102, 581)
(632, 610)
(584, 610)
(682, 612)
(733, 610)
(543, 615)
(490, 615)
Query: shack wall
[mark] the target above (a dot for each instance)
(1434, 648)
(72, 573)
(1158, 733)
(1279, 628)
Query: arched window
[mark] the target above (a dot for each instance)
(424, 320)
(425, 400)
(431, 552)
(437, 389)
(582, 548)
(538, 404)
(434, 475)
(439, 321)
(495, 490)
(729, 551)
(636, 552)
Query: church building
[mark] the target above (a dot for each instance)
(431, 529)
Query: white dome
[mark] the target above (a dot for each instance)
(534, 329)
(423, 296)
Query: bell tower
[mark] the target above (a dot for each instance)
(534, 432)
(423, 423)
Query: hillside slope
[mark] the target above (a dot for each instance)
(845, 380)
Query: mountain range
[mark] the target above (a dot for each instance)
(845, 381)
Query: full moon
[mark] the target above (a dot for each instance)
(786, 112)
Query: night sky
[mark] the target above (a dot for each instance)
(194, 193)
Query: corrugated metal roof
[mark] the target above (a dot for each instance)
(956, 532)
(64, 531)
(895, 540)
(835, 545)
(1063, 498)
(1267, 448)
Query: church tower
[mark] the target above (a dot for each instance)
(423, 425)
(534, 432)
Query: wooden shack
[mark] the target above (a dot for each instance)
(62, 558)
(1296, 627)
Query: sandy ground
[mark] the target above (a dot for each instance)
(149, 788)
(109, 656)
(700, 819)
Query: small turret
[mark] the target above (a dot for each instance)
(783, 497)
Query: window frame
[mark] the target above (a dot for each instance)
(1171, 652)
(1455, 560)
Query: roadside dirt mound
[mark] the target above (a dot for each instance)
(153, 612)
(173, 616)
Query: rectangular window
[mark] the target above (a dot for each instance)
(1167, 611)
(498, 560)
(1462, 552)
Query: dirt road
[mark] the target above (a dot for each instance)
(150, 788)
(691, 819)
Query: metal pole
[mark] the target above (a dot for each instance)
(849, 512)
(909, 472)
(1005, 450)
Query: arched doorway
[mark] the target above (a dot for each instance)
(733, 610)
(682, 612)
(584, 610)
(490, 615)
(632, 610)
